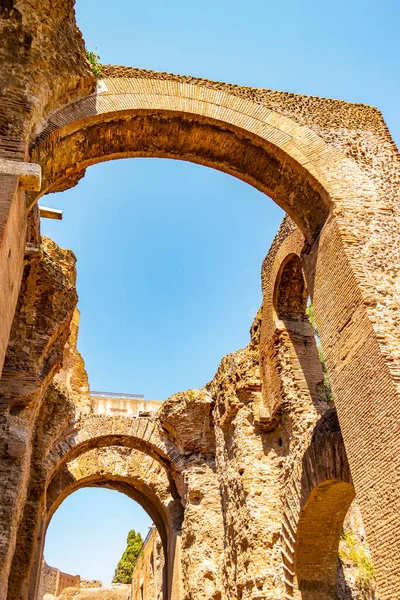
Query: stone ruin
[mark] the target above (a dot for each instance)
(248, 480)
(147, 578)
(53, 582)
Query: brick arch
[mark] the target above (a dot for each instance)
(316, 506)
(100, 431)
(128, 471)
(199, 121)
(291, 371)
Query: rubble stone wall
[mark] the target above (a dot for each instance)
(53, 581)
(228, 490)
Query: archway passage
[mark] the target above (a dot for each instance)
(290, 366)
(138, 476)
(123, 469)
(318, 532)
(88, 536)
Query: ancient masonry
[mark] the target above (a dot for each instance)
(147, 580)
(248, 480)
(53, 582)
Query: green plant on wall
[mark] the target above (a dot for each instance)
(353, 553)
(327, 385)
(95, 63)
(124, 570)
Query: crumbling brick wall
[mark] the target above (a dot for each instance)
(53, 581)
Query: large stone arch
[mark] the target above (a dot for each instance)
(125, 469)
(153, 114)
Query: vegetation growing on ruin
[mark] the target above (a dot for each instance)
(95, 63)
(327, 385)
(351, 551)
(124, 570)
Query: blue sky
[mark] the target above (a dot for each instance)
(169, 253)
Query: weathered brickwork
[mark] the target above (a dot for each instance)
(53, 581)
(225, 488)
(243, 475)
(147, 578)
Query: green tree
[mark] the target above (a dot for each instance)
(124, 570)
(327, 384)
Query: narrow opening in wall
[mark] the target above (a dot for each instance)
(355, 572)
(327, 384)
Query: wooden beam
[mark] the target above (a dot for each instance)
(50, 213)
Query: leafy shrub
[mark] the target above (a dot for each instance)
(350, 550)
(95, 63)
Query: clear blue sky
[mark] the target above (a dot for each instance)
(169, 253)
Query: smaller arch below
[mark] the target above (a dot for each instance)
(126, 470)
(100, 431)
(324, 493)
(133, 473)
(318, 535)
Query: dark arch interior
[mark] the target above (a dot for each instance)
(290, 296)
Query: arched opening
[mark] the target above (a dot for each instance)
(138, 476)
(293, 326)
(290, 295)
(291, 370)
(87, 536)
(332, 555)
(318, 536)
(130, 472)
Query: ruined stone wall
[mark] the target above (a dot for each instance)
(249, 468)
(127, 407)
(147, 577)
(115, 591)
(48, 580)
(35, 84)
(53, 581)
(35, 353)
(231, 489)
